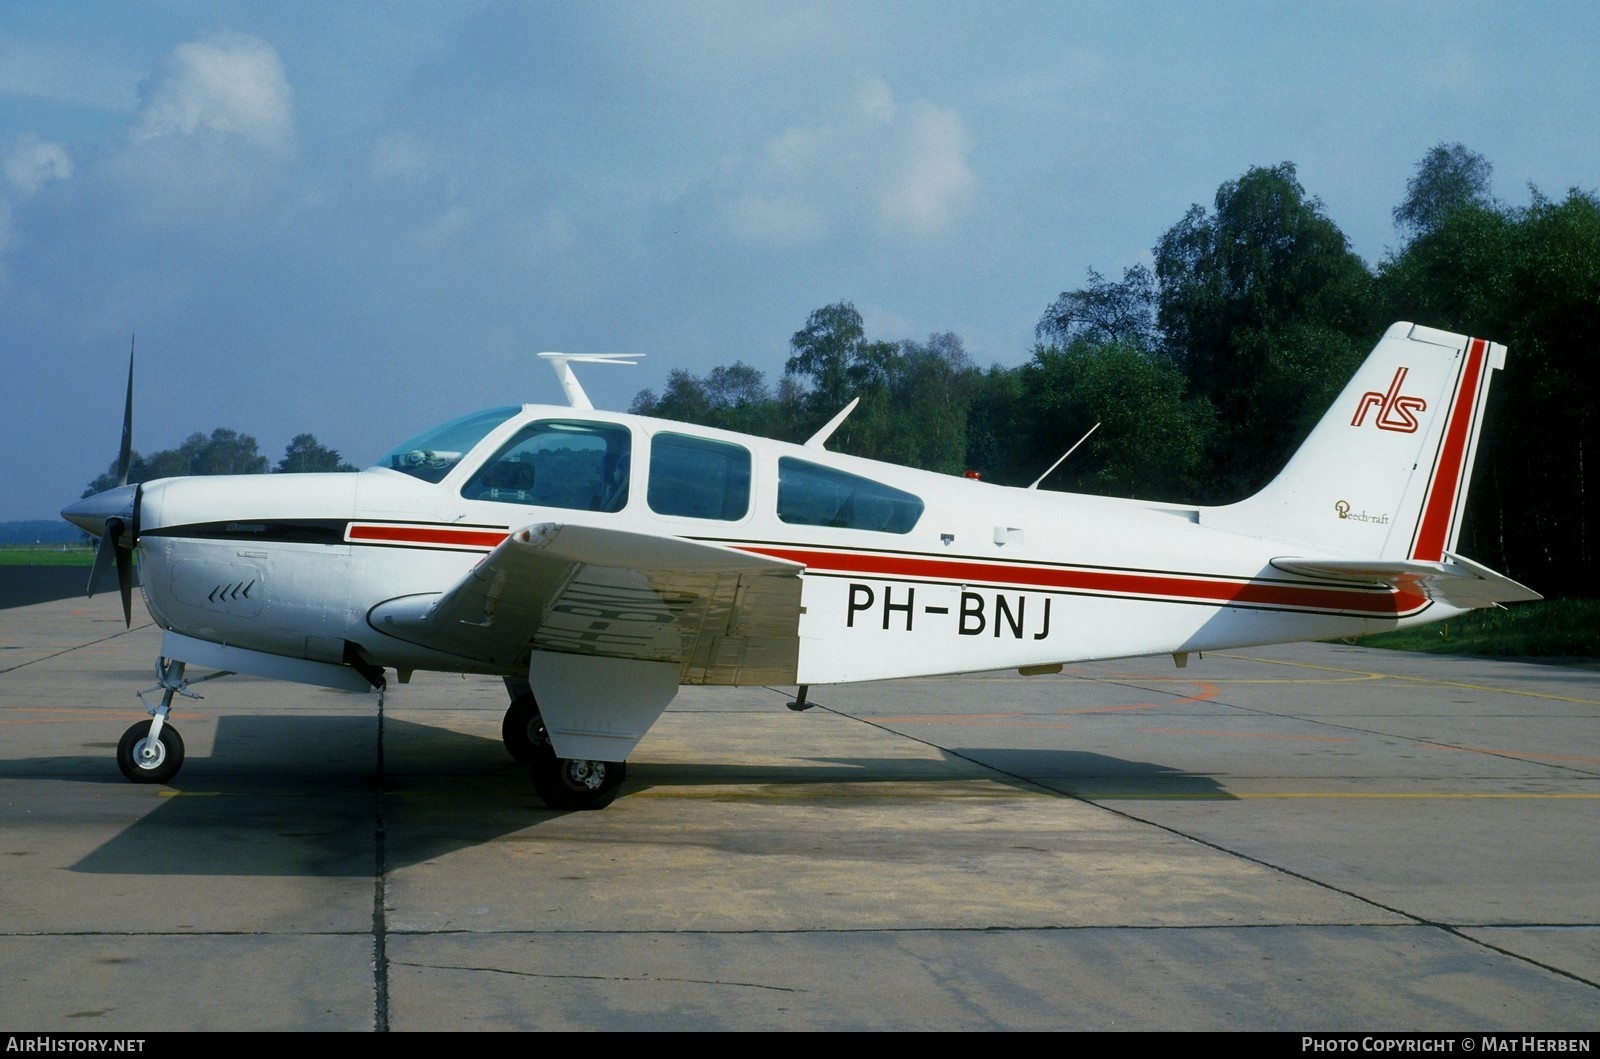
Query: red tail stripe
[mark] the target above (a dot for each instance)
(1438, 511)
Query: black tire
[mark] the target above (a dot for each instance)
(166, 763)
(566, 784)
(521, 730)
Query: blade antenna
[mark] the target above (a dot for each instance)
(820, 438)
(1063, 458)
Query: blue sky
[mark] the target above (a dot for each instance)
(355, 220)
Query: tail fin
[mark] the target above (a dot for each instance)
(1378, 488)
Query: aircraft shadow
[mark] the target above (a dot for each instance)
(308, 797)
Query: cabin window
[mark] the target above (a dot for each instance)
(558, 463)
(433, 453)
(698, 477)
(812, 495)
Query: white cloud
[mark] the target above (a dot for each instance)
(929, 182)
(31, 163)
(901, 168)
(228, 84)
(212, 137)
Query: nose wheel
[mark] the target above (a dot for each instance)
(144, 757)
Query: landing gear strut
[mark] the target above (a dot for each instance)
(562, 783)
(152, 751)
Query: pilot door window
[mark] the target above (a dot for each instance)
(698, 478)
(555, 463)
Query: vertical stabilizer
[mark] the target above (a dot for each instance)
(1384, 474)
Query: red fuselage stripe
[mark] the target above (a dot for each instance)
(1154, 586)
(1109, 582)
(1439, 509)
(426, 535)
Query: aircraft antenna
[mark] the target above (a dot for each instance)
(1064, 456)
(820, 438)
(562, 363)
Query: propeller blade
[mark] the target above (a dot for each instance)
(125, 583)
(104, 553)
(114, 513)
(125, 457)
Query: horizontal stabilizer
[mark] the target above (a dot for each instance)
(1455, 581)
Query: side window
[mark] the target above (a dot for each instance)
(698, 478)
(556, 463)
(813, 495)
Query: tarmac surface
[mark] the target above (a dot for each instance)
(1302, 838)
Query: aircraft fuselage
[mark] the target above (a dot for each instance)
(982, 577)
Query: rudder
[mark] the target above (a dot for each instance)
(1384, 474)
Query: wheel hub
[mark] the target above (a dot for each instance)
(588, 775)
(150, 753)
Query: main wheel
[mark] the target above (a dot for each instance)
(576, 783)
(146, 760)
(522, 730)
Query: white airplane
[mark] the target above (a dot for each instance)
(597, 561)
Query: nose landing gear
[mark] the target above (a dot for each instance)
(152, 751)
(144, 757)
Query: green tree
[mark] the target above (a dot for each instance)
(735, 397)
(1151, 436)
(825, 350)
(1530, 279)
(224, 452)
(1267, 311)
(930, 385)
(833, 357)
(304, 454)
(994, 442)
(1448, 178)
(684, 400)
(1105, 311)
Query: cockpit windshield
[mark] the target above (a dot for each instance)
(431, 454)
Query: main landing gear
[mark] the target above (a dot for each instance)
(562, 783)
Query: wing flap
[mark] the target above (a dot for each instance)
(720, 614)
(1455, 581)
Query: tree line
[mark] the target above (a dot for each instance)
(1208, 369)
(224, 452)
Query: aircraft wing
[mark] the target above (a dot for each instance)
(720, 615)
(1455, 581)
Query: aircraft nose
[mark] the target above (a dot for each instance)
(90, 513)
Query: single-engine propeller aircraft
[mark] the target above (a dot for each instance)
(598, 561)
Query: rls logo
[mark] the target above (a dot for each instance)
(1394, 412)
